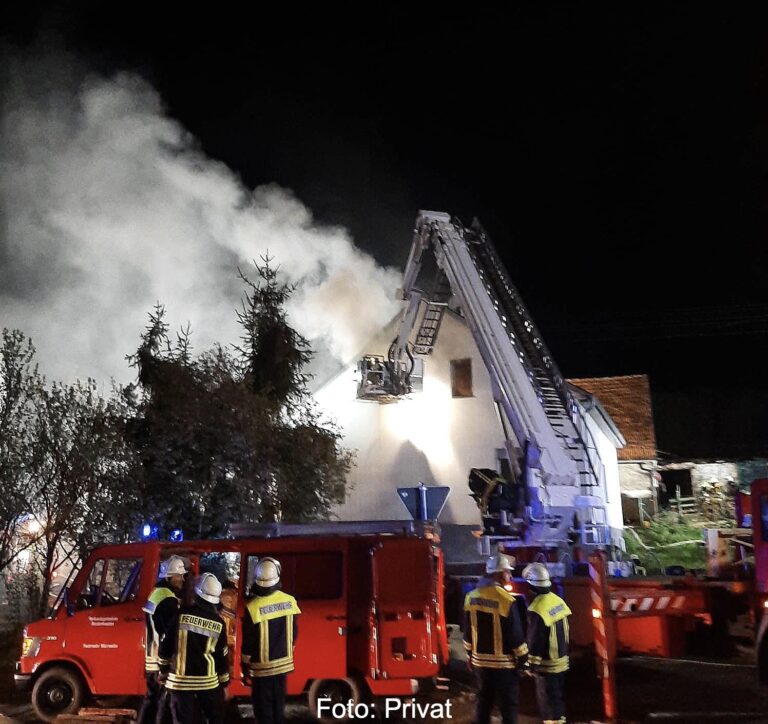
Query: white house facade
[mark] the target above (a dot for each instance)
(438, 434)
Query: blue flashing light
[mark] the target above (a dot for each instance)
(148, 531)
(177, 535)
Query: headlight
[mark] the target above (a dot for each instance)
(31, 646)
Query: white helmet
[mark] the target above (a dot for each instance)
(537, 574)
(268, 572)
(174, 566)
(498, 563)
(208, 588)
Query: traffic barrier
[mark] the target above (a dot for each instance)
(647, 604)
(604, 644)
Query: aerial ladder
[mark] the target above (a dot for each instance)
(549, 450)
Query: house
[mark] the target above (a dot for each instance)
(627, 399)
(437, 434)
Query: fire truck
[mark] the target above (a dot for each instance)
(550, 457)
(547, 500)
(371, 596)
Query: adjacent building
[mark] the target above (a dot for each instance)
(627, 399)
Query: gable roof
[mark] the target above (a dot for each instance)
(591, 405)
(627, 399)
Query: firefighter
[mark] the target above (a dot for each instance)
(194, 664)
(495, 641)
(160, 608)
(269, 637)
(547, 643)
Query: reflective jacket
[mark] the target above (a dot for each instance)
(193, 654)
(548, 634)
(160, 609)
(493, 628)
(269, 634)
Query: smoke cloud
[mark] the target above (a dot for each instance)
(108, 206)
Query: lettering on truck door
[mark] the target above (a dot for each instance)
(106, 630)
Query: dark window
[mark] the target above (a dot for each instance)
(225, 566)
(89, 595)
(306, 576)
(121, 581)
(110, 582)
(461, 377)
(672, 480)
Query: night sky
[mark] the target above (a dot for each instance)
(618, 159)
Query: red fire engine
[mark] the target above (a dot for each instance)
(372, 618)
(548, 499)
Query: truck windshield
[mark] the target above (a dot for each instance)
(62, 594)
(110, 581)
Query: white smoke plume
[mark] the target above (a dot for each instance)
(108, 207)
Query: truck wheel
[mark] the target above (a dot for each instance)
(335, 691)
(57, 691)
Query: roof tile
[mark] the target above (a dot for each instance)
(627, 399)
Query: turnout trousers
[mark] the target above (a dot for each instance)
(268, 697)
(550, 690)
(184, 704)
(497, 686)
(155, 709)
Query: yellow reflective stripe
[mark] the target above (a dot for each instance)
(493, 662)
(278, 666)
(264, 641)
(551, 667)
(497, 645)
(193, 679)
(493, 656)
(275, 662)
(209, 646)
(191, 683)
(545, 604)
(181, 652)
(473, 626)
(160, 594)
(275, 605)
(285, 669)
(553, 649)
(289, 632)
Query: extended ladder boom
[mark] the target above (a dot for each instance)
(543, 423)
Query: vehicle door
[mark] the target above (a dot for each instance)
(405, 606)
(106, 627)
(316, 580)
